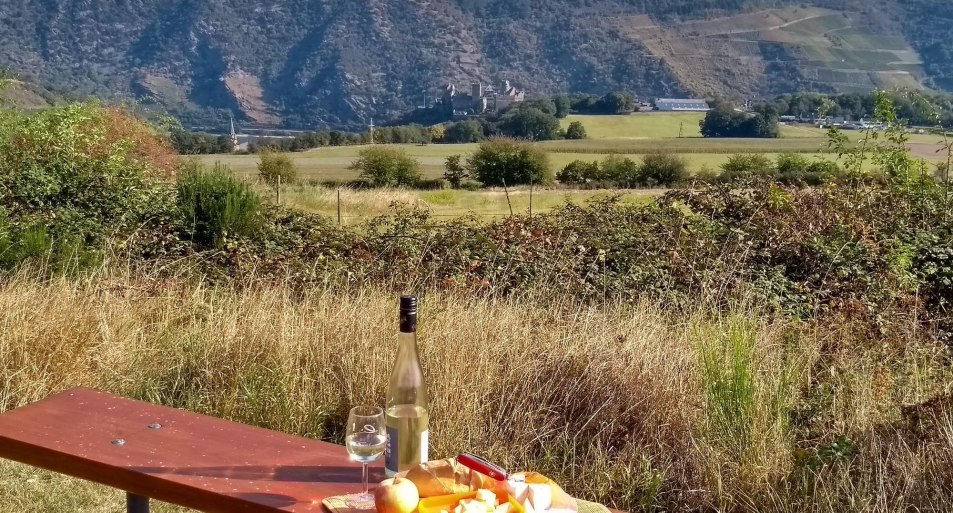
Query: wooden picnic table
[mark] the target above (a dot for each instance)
(175, 456)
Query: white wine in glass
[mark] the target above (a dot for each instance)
(365, 440)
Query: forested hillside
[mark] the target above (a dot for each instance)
(339, 63)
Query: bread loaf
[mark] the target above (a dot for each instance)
(446, 477)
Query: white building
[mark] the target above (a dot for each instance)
(681, 105)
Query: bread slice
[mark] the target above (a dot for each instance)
(446, 477)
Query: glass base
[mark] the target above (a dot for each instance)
(361, 501)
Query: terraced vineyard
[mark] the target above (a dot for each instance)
(765, 51)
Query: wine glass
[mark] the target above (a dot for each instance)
(365, 441)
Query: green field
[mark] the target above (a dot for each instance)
(633, 135)
(647, 125)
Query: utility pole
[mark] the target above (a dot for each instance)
(372, 130)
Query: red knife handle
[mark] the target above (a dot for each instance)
(482, 466)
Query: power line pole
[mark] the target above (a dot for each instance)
(372, 130)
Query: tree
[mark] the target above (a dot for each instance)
(437, 133)
(469, 131)
(723, 121)
(276, 168)
(619, 102)
(576, 130)
(502, 161)
(529, 123)
(563, 106)
(387, 167)
(455, 172)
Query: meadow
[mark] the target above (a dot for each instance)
(631, 135)
(631, 404)
(359, 205)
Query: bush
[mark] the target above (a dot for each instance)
(508, 162)
(215, 207)
(387, 167)
(576, 131)
(619, 171)
(746, 166)
(275, 168)
(791, 163)
(81, 172)
(578, 172)
(663, 169)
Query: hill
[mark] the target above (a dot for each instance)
(339, 63)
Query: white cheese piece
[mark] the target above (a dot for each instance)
(517, 489)
(487, 497)
(503, 508)
(541, 495)
(528, 506)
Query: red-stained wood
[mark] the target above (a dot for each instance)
(195, 461)
(176, 456)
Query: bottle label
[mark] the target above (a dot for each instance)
(391, 460)
(390, 452)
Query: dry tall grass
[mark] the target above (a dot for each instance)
(622, 403)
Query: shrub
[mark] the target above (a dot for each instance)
(455, 172)
(382, 166)
(275, 168)
(578, 172)
(663, 169)
(576, 130)
(81, 172)
(745, 166)
(502, 161)
(215, 207)
(791, 163)
(620, 171)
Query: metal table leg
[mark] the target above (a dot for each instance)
(136, 503)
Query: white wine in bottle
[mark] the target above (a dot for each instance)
(407, 414)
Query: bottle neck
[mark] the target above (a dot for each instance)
(407, 343)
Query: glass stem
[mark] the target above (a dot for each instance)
(364, 467)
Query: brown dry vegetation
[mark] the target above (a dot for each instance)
(623, 403)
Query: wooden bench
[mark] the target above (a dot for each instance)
(179, 457)
(176, 456)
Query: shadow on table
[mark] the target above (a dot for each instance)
(298, 474)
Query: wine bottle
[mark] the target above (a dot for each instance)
(407, 415)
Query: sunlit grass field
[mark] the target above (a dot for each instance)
(627, 404)
(632, 135)
(358, 205)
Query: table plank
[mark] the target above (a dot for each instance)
(187, 459)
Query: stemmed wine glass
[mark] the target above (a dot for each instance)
(365, 441)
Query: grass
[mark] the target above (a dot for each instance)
(640, 125)
(363, 204)
(635, 134)
(621, 403)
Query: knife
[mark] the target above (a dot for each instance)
(482, 466)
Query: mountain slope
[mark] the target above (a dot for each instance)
(340, 62)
